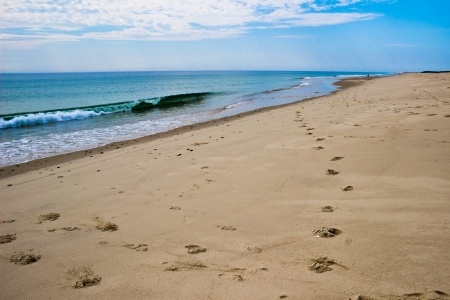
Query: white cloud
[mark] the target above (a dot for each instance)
(52, 20)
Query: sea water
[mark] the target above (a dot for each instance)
(42, 115)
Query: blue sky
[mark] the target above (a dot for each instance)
(127, 35)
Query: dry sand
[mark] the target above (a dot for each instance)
(342, 196)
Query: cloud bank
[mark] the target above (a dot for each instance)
(27, 23)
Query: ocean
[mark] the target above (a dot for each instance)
(43, 115)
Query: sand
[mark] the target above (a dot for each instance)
(246, 207)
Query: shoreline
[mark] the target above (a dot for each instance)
(342, 197)
(36, 164)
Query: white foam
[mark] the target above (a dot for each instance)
(43, 118)
(238, 104)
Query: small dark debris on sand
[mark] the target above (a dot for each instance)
(24, 259)
(318, 148)
(328, 209)
(326, 232)
(8, 238)
(337, 158)
(332, 172)
(320, 139)
(107, 226)
(321, 264)
(175, 208)
(49, 217)
(348, 188)
(195, 249)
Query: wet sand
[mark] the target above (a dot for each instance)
(339, 196)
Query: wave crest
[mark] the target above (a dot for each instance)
(80, 113)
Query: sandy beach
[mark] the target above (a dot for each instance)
(343, 196)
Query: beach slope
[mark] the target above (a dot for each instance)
(346, 195)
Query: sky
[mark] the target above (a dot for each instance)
(307, 35)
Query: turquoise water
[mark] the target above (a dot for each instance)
(48, 114)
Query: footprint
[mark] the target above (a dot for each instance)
(105, 226)
(234, 277)
(321, 264)
(337, 158)
(137, 247)
(190, 265)
(24, 259)
(254, 249)
(433, 294)
(230, 228)
(332, 172)
(48, 217)
(328, 209)
(360, 297)
(8, 238)
(84, 277)
(70, 228)
(326, 232)
(195, 249)
(8, 221)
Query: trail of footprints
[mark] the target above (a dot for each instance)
(326, 264)
(84, 277)
(81, 277)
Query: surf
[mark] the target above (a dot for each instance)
(80, 113)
